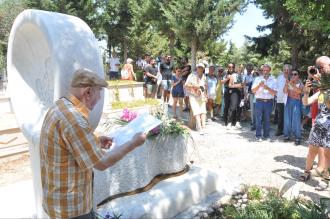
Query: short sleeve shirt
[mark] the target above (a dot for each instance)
(193, 79)
(166, 69)
(152, 70)
(68, 152)
(114, 62)
(261, 92)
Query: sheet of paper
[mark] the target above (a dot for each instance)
(142, 123)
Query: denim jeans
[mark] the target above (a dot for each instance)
(292, 118)
(252, 106)
(263, 111)
(222, 105)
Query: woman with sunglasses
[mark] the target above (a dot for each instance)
(292, 110)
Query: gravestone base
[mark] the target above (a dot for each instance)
(172, 196)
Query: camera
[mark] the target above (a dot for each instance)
(312, 70)
(202, 88)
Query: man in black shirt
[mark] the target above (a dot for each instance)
(166, 69)
(151, 78)
(230, 70)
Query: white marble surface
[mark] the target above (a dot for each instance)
(44, 50)
(172, 196)
(138, 168)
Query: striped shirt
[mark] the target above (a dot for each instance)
(68, 152)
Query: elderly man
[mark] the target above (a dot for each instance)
(69, 150)
(264, 89)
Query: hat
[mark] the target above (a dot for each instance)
(129, 60)
(200, 65)
(86, 78)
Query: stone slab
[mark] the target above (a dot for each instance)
(17, 196)
(163, 155)
(170, 197)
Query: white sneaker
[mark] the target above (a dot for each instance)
(238, 125)
(201, 132)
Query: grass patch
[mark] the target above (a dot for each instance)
(275, 206)
(121, 82)
(134, 104)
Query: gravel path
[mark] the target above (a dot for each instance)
(267, 163)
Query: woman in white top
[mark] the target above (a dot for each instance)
(127, 73)
(197, 88)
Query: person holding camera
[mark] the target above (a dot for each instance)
(197, 86)
(264, 89)
(292, 110)
(319, 137)
(281, 97)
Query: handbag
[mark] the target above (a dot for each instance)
(124, 74)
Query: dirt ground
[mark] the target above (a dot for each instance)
(14, 170)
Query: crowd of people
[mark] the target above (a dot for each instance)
(69, 150)
(240, 93)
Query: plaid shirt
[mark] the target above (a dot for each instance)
(68, 152)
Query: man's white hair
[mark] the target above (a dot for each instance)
(287, 66)
(322, 59)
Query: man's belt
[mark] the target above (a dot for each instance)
(264, 100)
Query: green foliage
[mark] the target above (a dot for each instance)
(120, 82)
(9, 9)
(303, 33)
(255, 193)
(274, 206)
(134, 104)
(315, 17)
(197, 21)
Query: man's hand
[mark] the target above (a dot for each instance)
(138, 139)
(105, 142)
(262, 84)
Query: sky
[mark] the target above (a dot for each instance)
(246, 24)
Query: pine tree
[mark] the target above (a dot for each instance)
(197, 21)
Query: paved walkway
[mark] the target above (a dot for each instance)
(268, 163)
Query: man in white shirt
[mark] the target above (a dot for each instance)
(264, 89)
(281, 97)
(114, 67)
(248, 95)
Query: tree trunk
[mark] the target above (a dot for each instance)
(125, 49)
(193, 54)
(109, 50)
(294, 56)
(171, 44)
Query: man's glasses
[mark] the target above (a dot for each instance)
(295, 74)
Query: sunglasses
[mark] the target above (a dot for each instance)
(295, 74)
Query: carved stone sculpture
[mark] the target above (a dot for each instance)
(44, 50)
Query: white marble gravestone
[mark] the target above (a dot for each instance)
(44, 50)
(162, 155)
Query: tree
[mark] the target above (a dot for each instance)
(315, 17)
(304, 42)
(9, 9)
(84, 9)
(116, 22)
(197, 21)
